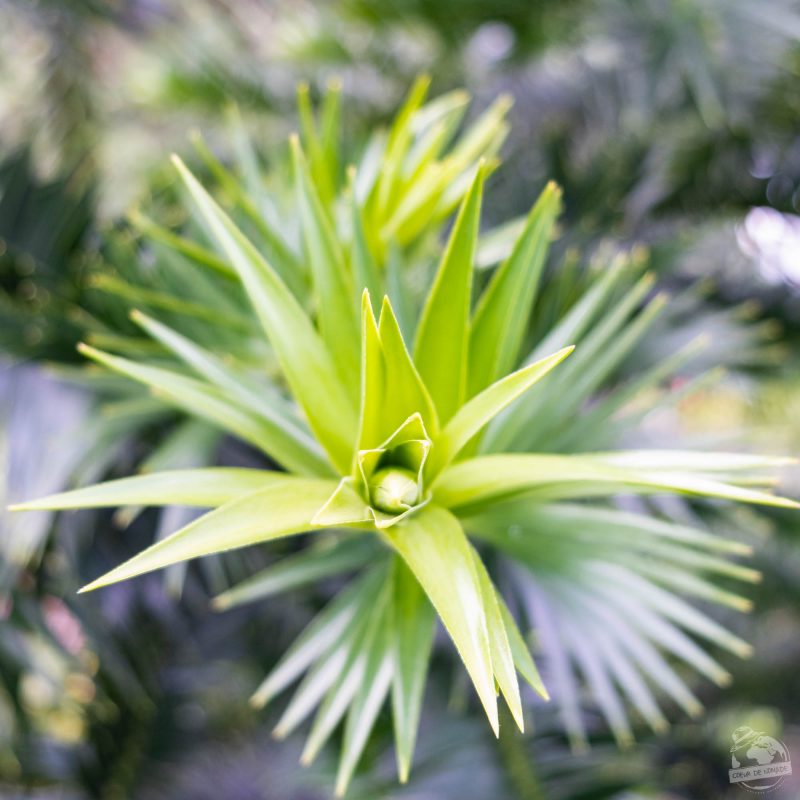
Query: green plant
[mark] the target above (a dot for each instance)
(392, 453)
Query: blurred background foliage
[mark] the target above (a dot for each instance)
(670, 124)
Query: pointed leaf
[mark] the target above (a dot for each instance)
(350, 676)
(442, 347)
(502, 658)
(344, 507)
(304, 359)
(485, 479)
(414, 626)
(305, 567)
(434, 547)
(482, 408)
(204, 488)
(368, 701)
(502, 315)
(292, 444)
(365, 271)
(373, 427)
(338, 320)
(270, 513)
(523, 660)
(320, 635)
(406, 393)
(211, 404)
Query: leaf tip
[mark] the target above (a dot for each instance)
(220, 603)
(279, 733)
(403, 769)
(177, 162)
(258, 700)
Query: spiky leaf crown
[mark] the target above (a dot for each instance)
(401, 433)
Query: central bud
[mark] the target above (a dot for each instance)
(394, 490)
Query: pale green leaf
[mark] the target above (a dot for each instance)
(485, 479)
(400, 137)
(372, 691)
(186, 247)
(270, 513)
(434, 547)
(282, 259)
(406, 393)
(523, 660)
(337, 311)
(502, 314)
(502, 658)
(211, 404)
(365, 270)
(293, 446)
(204, 488)
(321, 634)
(297, 570)
(442, 345)
(414, 626)
(373, 427)
(350, 675)
(305, 361)
(345, 507)
(477, 412)
(335, 678)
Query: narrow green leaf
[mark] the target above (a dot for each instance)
(335, 677)
(434, 547)
(476, 413)
(330, 132)
(406, 393)
(485, 135)
(151, 298)
(350, 675)
(399, 293)
(292, 445)
(283, 260)
(270, 513)
(414, 626)
(502, 658)
(300, 569)
(468, 484)
(523, 660)
(362, 263)
(345, 507)
(373, 427)
(338, 320)
(186, 247)
(497, 244)
(211, 404)
(320, 635)
(501, 317)
(400, 137)
(304, 359)
(694, 461)
(442, 346)
(369, 698)
(205, 488)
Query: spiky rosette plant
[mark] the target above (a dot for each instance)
(402, 437)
